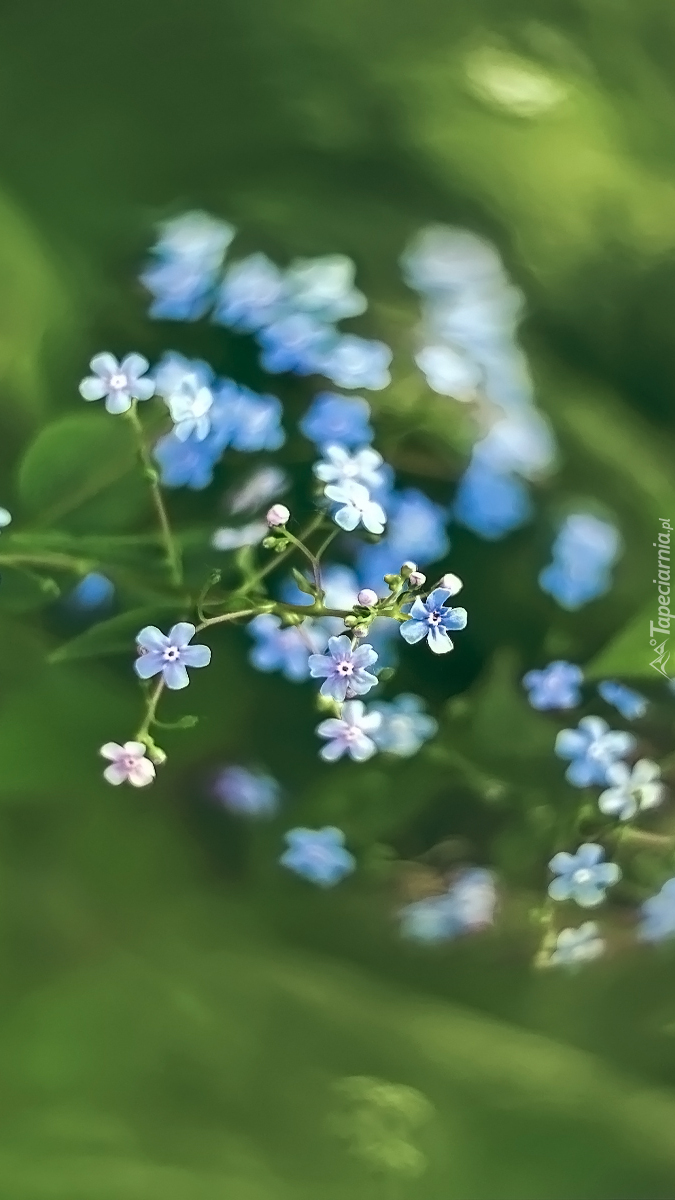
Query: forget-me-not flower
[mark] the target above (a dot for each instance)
(430, 920)
(319, 855)
(631, 791)
(430, 619)
(185, 464)
(176, 375)
(285, 648)
(188, 257)
(255, 422)
(190, 414)
(355, 362)
(583, 876)
(592, 748)
(658, 915)
(295, 342)
(576, 946)
(466, 907)
(128, 764)
(169, 655)
(356, 507)
(325, 287)
(630, 704)
(333, 419)
(405, 726)
(415, 530)
(344, 669)
(555, 686)
(119, 382)
(339, 467)
(351, 734)
(490, 503)
(583, 552)
(449, 372)
(93, 591)
(251, 295)
(248, 793)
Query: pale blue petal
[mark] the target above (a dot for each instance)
(588, 895)
(147, 665)
(142, 389)
(181, 634)
(570, 743)
(196, 656)
(589, 854)
(118, 402)
(436, 598)
(92, 388)
(607, 874)
(333, 750)
(559, 889)
(134, 365)
(152, 638)
(414, 631)
(439, 641)
(563, 863)
(105, 365)
(455, 618)
(175, 676)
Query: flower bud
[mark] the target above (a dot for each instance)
(367, 597)
(156, 755)
(360, 631)
(278, 515)
(351, 620)
(416, 579)
(452, 584)
(407, 568)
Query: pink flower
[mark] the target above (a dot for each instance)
(128, 764)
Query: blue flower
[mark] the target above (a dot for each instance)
(233, 537)
(285, 648)
(296, 343)
(325, 287)
(344, 669)
(583, 553)
(252, 294)
(175, 374)
(352, 733)
(449, 372)
(340, 467)
(431, 620)
(185, 464)
(592, 748)
(430, 920)
(576, 946)
(93, 591)
(658, 915)
(631, 791)
(442, 259)
(355, 362)
(319, 855)
(189, 255)
(169, 655)
(405, 726)
(583, 876)
(190, 414)
(332, 419)
(250, 793)
(491, 504)
(556, 686)
(256, 422)
(119, 382)
(356, 507)
(630, 704)
(467, 906)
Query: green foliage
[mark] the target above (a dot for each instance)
(22, 590)
(114, 636)
(629, 652)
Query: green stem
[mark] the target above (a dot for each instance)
(58, 562)
(277, 559)
(173, 560)
(143, 734)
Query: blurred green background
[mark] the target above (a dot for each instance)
(176, 1012)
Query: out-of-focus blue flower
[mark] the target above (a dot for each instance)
(285, 648)
(491, 504)
(265, 483)
(556, 686)
(520, 444)
(185, 464)
(583, 876)
(251, 295)
(354, 362)
(441, 259)
(189, 255)
(246, 421)
(169, 655)
(344, 669)
(466, 907)
(190, 414)
(119, 382)
(583, 553)
(319, 855)
(430, 920)
(250, 793)
(175, 375)
(430, 619)
(405, 726)
(415, 530)
(658, 915)
(333, 419)
(325, 287)
(576, 946)
(233, 538)
(631, 791)
(296, 342)
(353, 733)
(449, 372)
(630, 704)
(92, 592)
(340, 467)
(356, 507)
(5, 518)
(592, 748)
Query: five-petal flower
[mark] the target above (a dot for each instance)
(592, 748)
(556, 686)
(344, 669)
(350, 733)
(340, 467)
(430, 619)
(631, 791)
(318, 855)
(576, 946)
(356, 507)
(169, 655)
(583, 876)
(118, 382)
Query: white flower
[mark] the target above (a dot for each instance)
(278, 515)
(119, 383)
(128, 764)
(231, 538)
(189, 413)
(452, 583)
(340, 467)
(631, 790)
(576, 946)
(350, 733)
(448, 372)
(358, 508)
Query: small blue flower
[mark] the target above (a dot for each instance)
(92, 592)
(443, 259)
(325, 287)
(118, 382)
(583, 876)
(658, 915)
(188, 255)
(233, 537)
(252, 294)
(405, 726)
(631, 791)
(431, 620)
(430, 920)
(583, 553)
(356, 507)
(185, 464)
(177, 375)
(466, 907)
(449, 372)
(332, 419)
(256, 422)
(250, 793)
(630, 704)
(491, 504)
(340, 467)
(592, 748)
(285, 648)
(556, 686)
(319, 855)
(352, 733)
(169, 655)
(295, 342)
(265, 483)
(190, 414)
(355, 362)
(576, 946)
(344, 669)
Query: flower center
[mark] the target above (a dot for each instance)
(171, 654)
(350, 734)
(345, 668)
(583, 875)
(117, 382)
(129, 762)
(434, 618)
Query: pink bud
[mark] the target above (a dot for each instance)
(278, 515)
(452, 584)
(416, 579)
(360, 631)
(367, 597)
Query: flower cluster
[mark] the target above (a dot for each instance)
(583, 552)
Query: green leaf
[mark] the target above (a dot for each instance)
(631, 652)
(22, 590)
(115, 636)
(82, 468)
(304, 583)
